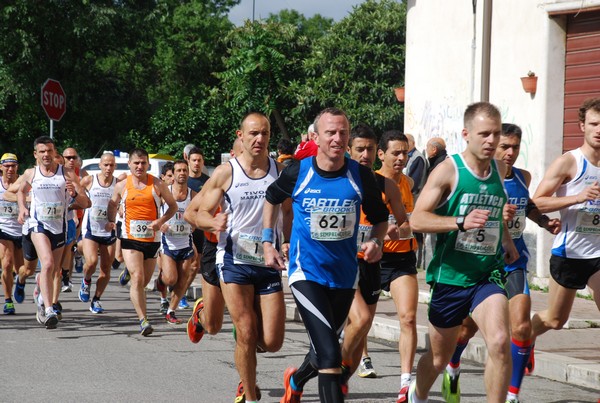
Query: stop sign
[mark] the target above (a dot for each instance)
(54, 100)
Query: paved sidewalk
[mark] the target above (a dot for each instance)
(571, 355)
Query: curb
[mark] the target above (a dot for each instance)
(547, 365)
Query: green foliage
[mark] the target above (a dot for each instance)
(160, 74)
(357, 65)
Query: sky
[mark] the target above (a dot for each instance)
(336, 9)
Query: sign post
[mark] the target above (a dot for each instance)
(54, 102)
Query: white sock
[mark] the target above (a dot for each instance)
(453, 372)
(170, 311)
(510, 395)
(49, 310)
(413, 398)
(163, 300)
(405, 379)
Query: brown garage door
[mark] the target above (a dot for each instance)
(582, 74)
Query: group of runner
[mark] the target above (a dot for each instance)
(343, 233)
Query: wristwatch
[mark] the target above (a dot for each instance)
(460, 223)
(377, 242)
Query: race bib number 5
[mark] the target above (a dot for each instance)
(480, 241)
(332, 224)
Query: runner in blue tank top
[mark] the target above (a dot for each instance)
(327, 192)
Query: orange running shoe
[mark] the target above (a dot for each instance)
(291, 395)
(194, 327)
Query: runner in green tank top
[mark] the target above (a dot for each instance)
(462, 202)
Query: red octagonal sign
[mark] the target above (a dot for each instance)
(54, 100)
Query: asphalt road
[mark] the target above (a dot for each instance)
(101, 358)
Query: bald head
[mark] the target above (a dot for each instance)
(434, 146)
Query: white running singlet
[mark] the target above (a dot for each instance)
(49, 202)
(95, 217)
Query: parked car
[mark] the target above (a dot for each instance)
(91, 165)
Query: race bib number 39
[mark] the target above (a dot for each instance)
(480, 241)
(333, 224)
(141, 229)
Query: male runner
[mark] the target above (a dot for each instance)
(516, 184)
(327, 192)
(141, 194)
(253, 291)
(571, 186)
(52, 188)
(463, 203)
(11, 252)
(96, 239)
(177, 250)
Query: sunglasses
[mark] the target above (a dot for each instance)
(70, 157)
(9, 166)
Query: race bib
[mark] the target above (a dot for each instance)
(50, 211)
(587, 222)
(517, 225)
(332, 224)
(249, 249)
(479, 241)
(98, 213)
(364, 234)
(8, 210)
(178, 227)
(141, 229)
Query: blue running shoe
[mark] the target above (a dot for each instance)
(19, 293)
(124, 277)
(96, 307)
(146, 328)
(78, 263)
(183, 304)
(84, 291)
(9, 308)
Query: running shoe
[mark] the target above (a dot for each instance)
(451, 388)
(124, 277)
(172, 319)
(365, 368)
(411, 391)
(194, 327)
(67, 287)
(9, 308)
(96, 307)
(146, 328)
(164, 307)
(531, 363)
(19, 293)
(40, 314)
(240, 396)
(84, 291)
(513, 400)
(78, 263)
(403, 394)
(183, 304)
(57, 308)
(115, 264)
(345, 378)
(290, 395)
(51, 320)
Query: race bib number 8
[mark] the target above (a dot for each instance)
(332, 225)
(587, 222)
(141, 229)
(480, 241)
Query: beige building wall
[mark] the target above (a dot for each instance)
(457, 54)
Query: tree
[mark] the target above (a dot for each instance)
(357, 65)
(313, 28)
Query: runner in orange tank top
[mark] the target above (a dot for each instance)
(141, 193)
